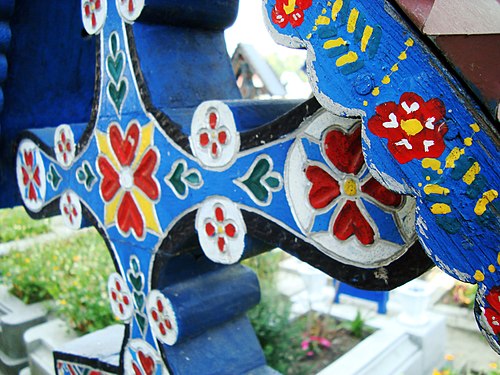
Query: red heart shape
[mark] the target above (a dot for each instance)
(110, 183)
(129, 217)
(344, 150)
(143, 175)
(124, 149)
(147, 363)
(324, 188)
(351, 221)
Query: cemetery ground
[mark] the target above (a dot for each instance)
(300, 332)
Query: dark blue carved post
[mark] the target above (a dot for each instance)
(183, 179)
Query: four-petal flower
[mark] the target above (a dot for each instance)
(414, 128)
(216, 136)
(290, 11)
(221, 228)
(31, 175)
(345, 185)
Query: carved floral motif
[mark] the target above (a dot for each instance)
(162, 318)
(414, 128)
(343, 186)
(128, 186)
(31, 175)
(290, 11)
(120, 297)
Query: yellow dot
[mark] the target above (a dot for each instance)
(323, 11)
(492, 268)
(309, 36)
(403, 56)
(468, 141)
(395, 68)
(475, 127)
(365, 103)
(440, 171)
(498, 258)
(420, 184)
(412, 126)
(410, 42)
(428, 178)
(479, 276)
(376, 91)
(386, 80)
(315, 28)
(350, 188)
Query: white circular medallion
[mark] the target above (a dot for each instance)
(221, 230)
(30, 172)
(64, 145)
(94, 14)
(162, 319)
(71, 209)
(120, 298)
(140, 358)
(130, 10)
(214, 138)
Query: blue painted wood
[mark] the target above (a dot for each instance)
(380, 298)
(365, 59)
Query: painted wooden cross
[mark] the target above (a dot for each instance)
(183, 179)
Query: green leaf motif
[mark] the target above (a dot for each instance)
(117, 88)
(180, 179)
(86, 176)
(53, 177)
(260, 181)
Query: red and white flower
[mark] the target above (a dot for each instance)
(130, 10)
(140, 358)
(492, 312)
(128, 164)
(414, 128)
(64, 142)
(71, 209)
(30, 172)
(346, 185)
(214, 139)
(94, 15)
(221, 230)
(120, 297)
(289, 11)
(162, 318)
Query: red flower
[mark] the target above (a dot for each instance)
(414, 128)
(130, 177)
(90, 7)
(31, 175)
(215, 137)
(220, 229)
(290, 11)
(492, 313)
(345, 186)
(64, 147)
(69, 208)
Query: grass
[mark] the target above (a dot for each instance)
(15, 224)
(73, 272)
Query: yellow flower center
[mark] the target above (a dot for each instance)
(350, 188)
(411, 127)
(220, 229)
(290, 7)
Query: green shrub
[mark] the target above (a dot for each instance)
(73, 272)
(15, 224)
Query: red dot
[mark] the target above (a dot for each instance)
(113, 295)
(212, 119)
(154, 314)
(204, 139)
(162, 329)
(219, 214)
(210, 229)
(221, 243)
(126, 301)
(60, 147)
(120, 306)
(168, 323)
(215, 148)
(230, 230)
(160, 305)
(222, 137)
(118, 286)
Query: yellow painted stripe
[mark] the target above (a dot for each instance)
(348, 58)
(337, 7)
(440, 209)
(471, 174)
(111, 209)
(436, 189)
(334, 43)
(367, 34)
(481, 204)
(353, 19)
(454, 155)
(148, 210)
(322, 20)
